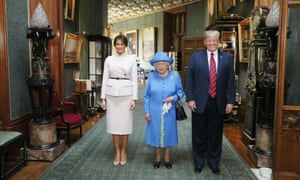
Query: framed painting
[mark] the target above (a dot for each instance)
(69, 10)
(132, 37)
(149, 43)
(72, 48)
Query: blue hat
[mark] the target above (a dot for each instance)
(161, 56)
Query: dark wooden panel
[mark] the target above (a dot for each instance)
(4, 88)
(287, 132)
(189, 45)
(288, 151)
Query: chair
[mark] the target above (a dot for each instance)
(65, 121)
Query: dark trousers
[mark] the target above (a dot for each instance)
(207, 134)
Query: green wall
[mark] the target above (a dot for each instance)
(71, 27)
(18, 57)
(196, 22)
(151, 20)
(197, 19)
(90, 17)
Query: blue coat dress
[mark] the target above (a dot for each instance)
(161, 131)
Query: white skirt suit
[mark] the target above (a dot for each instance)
(119, 88)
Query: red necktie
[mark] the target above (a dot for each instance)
(212, 76)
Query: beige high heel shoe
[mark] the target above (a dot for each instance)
(116, 163)
(123, 162)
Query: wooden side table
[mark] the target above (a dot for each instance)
(83, 101)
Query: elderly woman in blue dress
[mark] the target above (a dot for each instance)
(163, 88)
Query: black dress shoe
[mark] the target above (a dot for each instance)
(215, 170)
(156, 164)
(168, 165)
(198, 168)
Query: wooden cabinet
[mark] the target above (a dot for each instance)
(287, 105)
(99, 48)
(244, 35)
(189, 45)
(228, 39)
(288, 159)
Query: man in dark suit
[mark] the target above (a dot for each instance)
(210, 94)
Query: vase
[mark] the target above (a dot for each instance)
(272, 19)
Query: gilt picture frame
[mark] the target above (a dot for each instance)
(149, 43)
(132, 36)
(69, 10)
(72, 48)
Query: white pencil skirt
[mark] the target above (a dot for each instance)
(118, 115)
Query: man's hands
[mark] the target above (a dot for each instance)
(192, 105)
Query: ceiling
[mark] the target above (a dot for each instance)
(120, 10)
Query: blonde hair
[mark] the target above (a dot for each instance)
(211, 33)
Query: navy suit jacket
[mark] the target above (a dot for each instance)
(197, 80)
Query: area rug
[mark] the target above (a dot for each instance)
(91, 157)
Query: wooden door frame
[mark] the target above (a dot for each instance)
(281, 109)
(4, 88)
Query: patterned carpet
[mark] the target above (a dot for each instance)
(91, 157)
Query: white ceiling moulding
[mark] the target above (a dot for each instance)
(120, 10)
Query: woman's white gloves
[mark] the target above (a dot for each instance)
(166, 108)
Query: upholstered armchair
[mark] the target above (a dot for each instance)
(66, 118)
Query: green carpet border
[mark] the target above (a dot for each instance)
(91, 157)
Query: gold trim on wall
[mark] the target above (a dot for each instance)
(69, 10)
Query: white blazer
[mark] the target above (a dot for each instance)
(124, 67)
